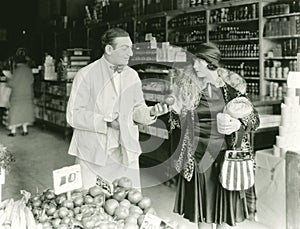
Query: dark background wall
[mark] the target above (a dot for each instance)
(25, 20)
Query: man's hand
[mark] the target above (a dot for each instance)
(114, 124)
(113, 121)
(159, 109)
(226, 124)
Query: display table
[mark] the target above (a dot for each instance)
(270, 182)
(277, 187)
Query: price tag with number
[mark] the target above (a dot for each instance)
(67, 179)
(107, 187)
(154, 222)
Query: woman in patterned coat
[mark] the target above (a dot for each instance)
(201, 92)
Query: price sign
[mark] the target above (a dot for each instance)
(2, 176)
(154, 222)
(105, 185)
(67, 179)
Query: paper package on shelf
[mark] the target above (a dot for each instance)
(289, 130)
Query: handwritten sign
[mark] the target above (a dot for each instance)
(107, 187)
(67, 179)
(154, 222)
(2, 176)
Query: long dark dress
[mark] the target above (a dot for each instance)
(203, 199)
(21, 100)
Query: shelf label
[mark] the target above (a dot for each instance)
(67, 179)
(154, 222)
(2, 176)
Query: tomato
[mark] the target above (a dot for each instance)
(50, 211)
(95, 190)
(131, 219)
(110, 206)
(121, 212)
(63, 212)
(134, 196)
(43, 218)
(78, 201)
(125, 203)
(66, 220)
(50, 194)
(87, 222)
(68, 204)
(99, 200)
(76, 210)
(88, 199)
(145, 203)
(78, 216)
(125, 182)
(119, 193)
(56, 222)
(60, 198)
(75, 193)
(135, 209)
(36, 203)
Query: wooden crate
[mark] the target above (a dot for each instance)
(293, 190)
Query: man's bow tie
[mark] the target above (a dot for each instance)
(117, 68)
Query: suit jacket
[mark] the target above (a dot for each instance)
(93, 100)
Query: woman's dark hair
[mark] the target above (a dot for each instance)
(210, 53)
(21, 56)
(109, 36)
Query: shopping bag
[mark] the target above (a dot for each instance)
(4, 95)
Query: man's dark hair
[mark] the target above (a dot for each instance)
(109, 36)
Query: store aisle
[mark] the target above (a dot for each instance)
(39, 153)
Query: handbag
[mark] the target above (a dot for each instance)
(237, 169)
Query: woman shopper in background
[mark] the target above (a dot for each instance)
(21, 110)
(201, 92)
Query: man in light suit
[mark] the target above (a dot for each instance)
(105, 105)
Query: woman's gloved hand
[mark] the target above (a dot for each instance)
(226, 124)
(159, 109)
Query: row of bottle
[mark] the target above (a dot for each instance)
(153, 24)
(244, 70)
(231, 32)
(193, 36)
(188, 20)
(253, 88)
(275, 90)
(282, 8)
(279, 69)
(194, 3)
(282, 26)
(239, 50)
(244, 12)
(289, 47)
